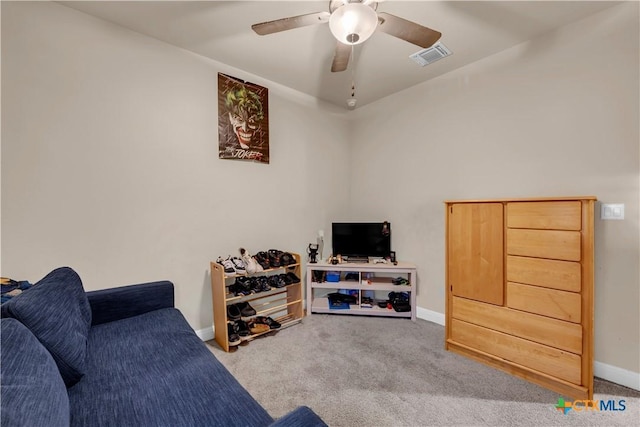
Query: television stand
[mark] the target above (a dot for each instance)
(374, 285)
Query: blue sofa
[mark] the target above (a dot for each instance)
(116, 357)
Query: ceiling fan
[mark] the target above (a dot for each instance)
(352, 22)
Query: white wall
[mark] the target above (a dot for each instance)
(555, 116)
(110, 163)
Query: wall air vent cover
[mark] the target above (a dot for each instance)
(431, 54)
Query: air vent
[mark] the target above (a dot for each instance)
(431, 55)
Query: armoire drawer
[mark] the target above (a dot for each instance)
(533, 327)
(550, 244)
(548, 360)
(561, 305)
(552, 215)
(548, 273)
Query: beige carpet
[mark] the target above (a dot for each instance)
(368, 371)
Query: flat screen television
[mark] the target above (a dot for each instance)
(361, 239)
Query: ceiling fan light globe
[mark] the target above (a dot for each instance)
(353, 23)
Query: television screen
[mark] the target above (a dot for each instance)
(361, 239)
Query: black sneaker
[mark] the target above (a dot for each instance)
(292, 277)
(287, 259)
(286, 279)
(242, 284)
(263, 283)
(245, 309)
(243, 330)
(276, 281)
(234, 338)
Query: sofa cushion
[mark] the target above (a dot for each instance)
(33, 393)
(57, 312)
(153, 370)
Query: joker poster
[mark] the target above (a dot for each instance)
(243, 120)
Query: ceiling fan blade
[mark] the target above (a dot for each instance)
(407, 30)
(341, 57)
(290, 23)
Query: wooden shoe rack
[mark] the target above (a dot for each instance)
(284, 304)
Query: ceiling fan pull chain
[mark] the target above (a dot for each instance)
(353, 72)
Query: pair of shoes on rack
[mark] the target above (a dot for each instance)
(232, 265)
(232, 332)
(262, 324)
(251, 264)
(262, 258)
(241, 310)
(237, 331)
(272, 324)
(244, 285)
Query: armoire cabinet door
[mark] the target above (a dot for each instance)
(475, 251)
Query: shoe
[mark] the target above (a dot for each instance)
(275, 258)
(254, 285)
(242, 286)
(238, 265)
(292, 277)
(272, 324)
(234, 338)
(227, 265)
(258, 328)
(287, 259)
(251, 266)
(243, 330)
(233, 312)
(276, 281)
(263, 259)
(263, 283)
(400, 281)
(245, 309)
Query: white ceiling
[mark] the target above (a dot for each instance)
(301, 58)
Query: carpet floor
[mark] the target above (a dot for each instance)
(370, 371)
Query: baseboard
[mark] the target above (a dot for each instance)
(205, 334)
(617, 375)
(607, 372)
(430, 316)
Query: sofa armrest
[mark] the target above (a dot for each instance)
(112, 304)
(302, 416)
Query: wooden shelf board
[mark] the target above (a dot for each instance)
(350, 284)
(321, 305)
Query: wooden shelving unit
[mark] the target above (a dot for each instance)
(284, 305)
(376, 278)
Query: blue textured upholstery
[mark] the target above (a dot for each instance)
(143, 364)
(112, 304)
(302, 416)
(57, 312)
(157, 372)
(32, 390)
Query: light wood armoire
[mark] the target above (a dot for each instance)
(519, 286)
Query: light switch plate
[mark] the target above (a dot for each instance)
(612, 211)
